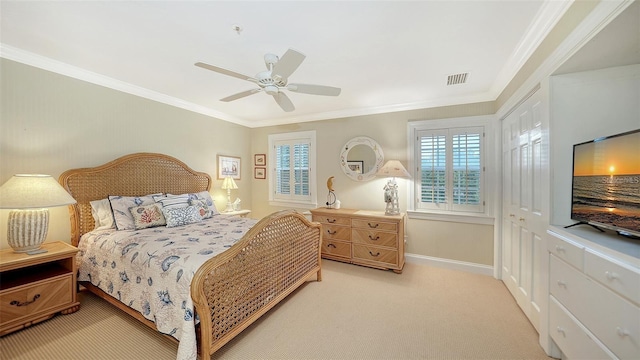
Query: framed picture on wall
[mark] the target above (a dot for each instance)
(356, 166)
(228, 166)
(260, 159)
(260, 173)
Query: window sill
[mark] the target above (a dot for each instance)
(293, 204)
(466, 218)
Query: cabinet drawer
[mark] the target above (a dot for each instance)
(378, 238)
(622, 280)
(36, 297)
(572, 337)
(336, 248)
(372, 253)
(566, 250)
(612, 319)
(373, 224)
(336, 232)
(330, 219)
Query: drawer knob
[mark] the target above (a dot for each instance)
(372, 254)
(332, 233)
(559, 248)
(331, 246)
(331, 221)
(560, 330)
(562, 284)
(373, 226)
(611, 275)
(18, 303)
(622, 332)
(374, 238)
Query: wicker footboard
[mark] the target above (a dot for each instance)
(235, 288)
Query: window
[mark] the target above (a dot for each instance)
(449, 170)
(292, 156)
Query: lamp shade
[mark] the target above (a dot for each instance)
(33, 191)
(393, 168)
(228, 183)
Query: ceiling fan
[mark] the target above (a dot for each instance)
(275, 79)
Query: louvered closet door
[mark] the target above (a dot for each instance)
(524, 222)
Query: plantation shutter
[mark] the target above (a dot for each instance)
(467, 168)
(292, 170)
(433, 167)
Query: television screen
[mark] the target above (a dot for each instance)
(606, 183)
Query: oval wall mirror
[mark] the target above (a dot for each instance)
(360, 158)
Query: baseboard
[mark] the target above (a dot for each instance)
(450, 264)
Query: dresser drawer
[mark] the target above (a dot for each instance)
(377, 238)
(566, 250)
(574, 340)
(372, 253)
(336, 248)
(373, 224)
(336, 232)
(35, 297)
(619, 278)
(331, 219)
(612, 319)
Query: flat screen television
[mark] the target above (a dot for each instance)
(606, 183)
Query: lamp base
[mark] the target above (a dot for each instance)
(391, 197)
(27, 229)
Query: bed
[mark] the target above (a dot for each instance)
(228, 290)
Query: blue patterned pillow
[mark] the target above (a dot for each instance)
(181, 216)
(121, 205)
(204, 209)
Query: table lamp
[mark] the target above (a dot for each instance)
(229, 184)
(29, 196)
(392, 169)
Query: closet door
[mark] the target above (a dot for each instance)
(525, 166)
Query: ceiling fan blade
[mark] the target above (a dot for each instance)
(240, 95)
(283, 100)
(314, 89)
(225, 71)
(287, 64)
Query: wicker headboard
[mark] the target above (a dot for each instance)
(131, 175)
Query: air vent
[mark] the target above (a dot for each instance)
(457, 79)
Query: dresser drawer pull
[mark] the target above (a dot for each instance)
(373, 226)
(332, 233)
(331, 246)
(622, 332)
(331, 221)
(18, 303)
(374, 238)
(560, 330)
(372, 254)
(559, 248)
(562, 284)
(611, 275)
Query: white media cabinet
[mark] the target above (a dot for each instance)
(594, 293)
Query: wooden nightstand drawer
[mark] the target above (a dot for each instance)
(331, 219)
(35, 298)
(377, 238)
(373, 224)
(336, 248)
(336, 232)
(375, 254)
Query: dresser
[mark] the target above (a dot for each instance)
(594, 296)
(362, 237)
(36, 287)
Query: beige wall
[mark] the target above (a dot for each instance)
(457, 241)
(50, 123)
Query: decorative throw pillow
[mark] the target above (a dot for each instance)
(173, 201)
(206, 197)
(120, 206)
(102, 214)
(181, 216)
(147, 216)
(203, 209)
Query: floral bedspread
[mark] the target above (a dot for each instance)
(150, 270)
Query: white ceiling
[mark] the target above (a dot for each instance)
(385, 55)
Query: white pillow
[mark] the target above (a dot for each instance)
(102, 214)
(172, 201)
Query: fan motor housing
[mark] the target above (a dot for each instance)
(264, 79)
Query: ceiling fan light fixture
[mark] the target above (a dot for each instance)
(271, 89)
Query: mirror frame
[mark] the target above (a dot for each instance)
(361, 140)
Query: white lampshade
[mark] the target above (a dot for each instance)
(393, 168)
(228, 183)
(29, 196)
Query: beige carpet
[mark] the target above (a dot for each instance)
(354, 313)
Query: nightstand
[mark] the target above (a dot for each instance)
(36, 287)
(242, 213)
